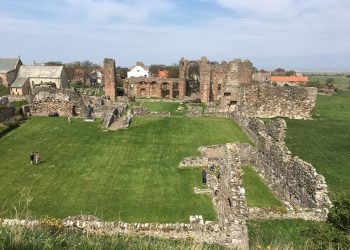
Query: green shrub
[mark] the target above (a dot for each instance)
(339, 214)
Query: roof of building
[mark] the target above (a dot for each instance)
(19, 82)
(163, 73)
(144, 67)
(40, 71)
(8, 64)
(289, 78)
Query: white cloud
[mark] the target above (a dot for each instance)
(131, 11)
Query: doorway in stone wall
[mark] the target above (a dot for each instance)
(165, 90)
(143, 92)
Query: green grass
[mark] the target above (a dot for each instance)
(325, 142)
(339, 80)
(258, 194)
(131, 174)
(19, 104)
(166, 106)
(284, 234)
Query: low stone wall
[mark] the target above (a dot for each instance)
(293, 180)
(6, 113)
(46, 100)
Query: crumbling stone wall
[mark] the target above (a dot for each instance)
(218, 82)
(151, 87)
(45, 100)
(293, 180)
(266, 101)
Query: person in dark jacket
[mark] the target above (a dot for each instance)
(204, 176)
(31, 158)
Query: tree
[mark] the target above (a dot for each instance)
(155, 68)
(53, 63)
(291, 73)
(173, 71)
(280, 70)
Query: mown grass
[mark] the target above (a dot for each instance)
(44, 238)
(166, 107)
(258, 194)
(325, 141)
(131, 175)
(289, 234)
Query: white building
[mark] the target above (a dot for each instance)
(138, 71)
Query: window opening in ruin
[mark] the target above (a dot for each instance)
(233, 102)
(227, 94)
(192, 80)
(175, 90)
(219, 87)
(165, 90)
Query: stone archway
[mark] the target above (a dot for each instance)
(165, 89)
(143, 92)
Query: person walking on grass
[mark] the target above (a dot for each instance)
(204, 176)
(37, 158)
(31, 158)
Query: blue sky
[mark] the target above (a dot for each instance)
(293, 34)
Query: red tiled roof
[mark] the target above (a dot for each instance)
(163, 73)
(289, 79)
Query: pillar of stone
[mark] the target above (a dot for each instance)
(171, 90)
(109, 81)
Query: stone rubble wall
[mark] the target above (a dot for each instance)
(45, 100)
(114, 115)
(266, 101)
(293, 180)
(197, 230)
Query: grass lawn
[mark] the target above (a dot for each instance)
(325, 142)
(281, 234)
(166, 106)
(258, 194)
(131, 174)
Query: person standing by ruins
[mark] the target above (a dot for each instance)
(69, 119)
(31, 158)
(204, 176)
(37, 158)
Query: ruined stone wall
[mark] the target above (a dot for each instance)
(150, 87)
(267, 101)
(295, 181)
(109, 81)
(45, 100)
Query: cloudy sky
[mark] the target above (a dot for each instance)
(293, 34)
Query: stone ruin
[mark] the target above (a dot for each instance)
(46, 100)
(227, 87)
(228, 90)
